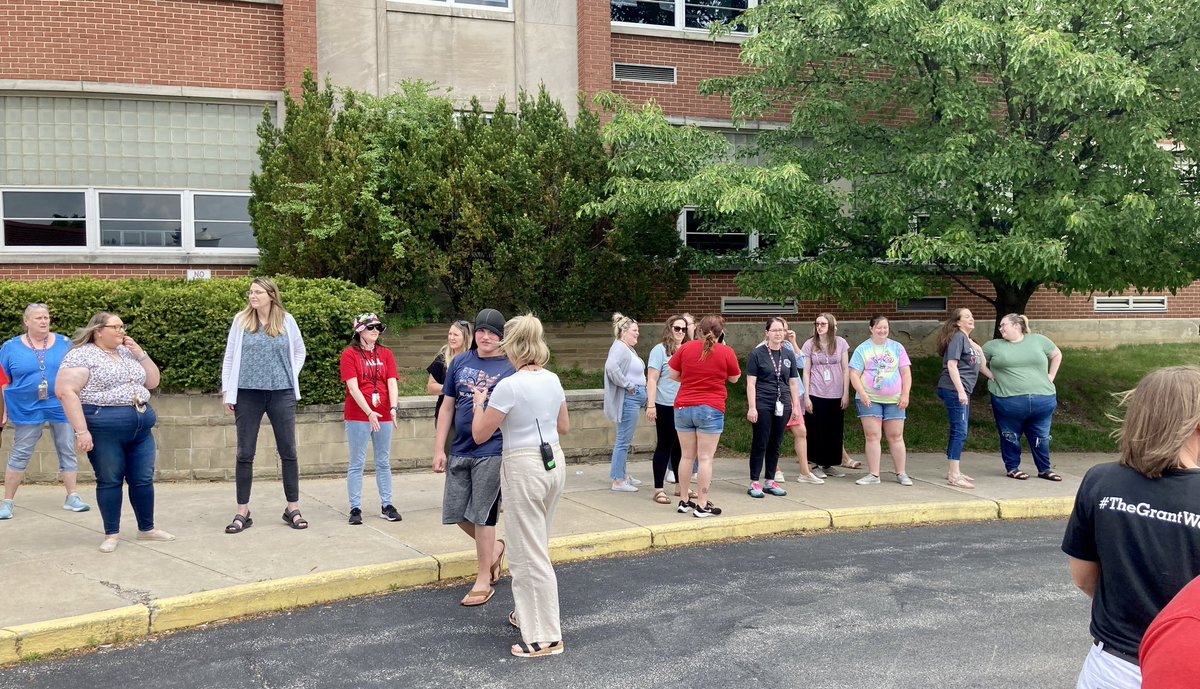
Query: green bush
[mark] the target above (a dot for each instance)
(183, 325)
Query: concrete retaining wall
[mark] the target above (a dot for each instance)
(197, 439)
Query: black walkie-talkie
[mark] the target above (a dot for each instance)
(546, 450)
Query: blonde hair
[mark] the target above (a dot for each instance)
(1162, 412)
(446, 354)
(831, 331)
(249, 315)
(1018, 320)
(946, 332)
(621, 323)
(525, 341)
(712, 328)
(87, 333)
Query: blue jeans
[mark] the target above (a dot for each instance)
(123, 452)
(1027, 415)
(358, 433)
(26, 437)
(699, 419)
(630, 411)
(958, 414)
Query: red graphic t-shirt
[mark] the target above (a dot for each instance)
(372, 369)
(702, 381)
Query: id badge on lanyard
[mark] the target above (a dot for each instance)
(43, 390)
(778, 407)
(826, 375)
(374, 399)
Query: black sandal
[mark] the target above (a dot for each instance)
(294, 520)
(1049, 476)
(239, 523)
(1018, 474)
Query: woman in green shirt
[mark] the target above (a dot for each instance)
(1023, 366)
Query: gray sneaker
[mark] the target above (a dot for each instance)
(817, 471)
(868, 480)
(834, 472)
(903, 479)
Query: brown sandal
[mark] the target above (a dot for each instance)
(660, 496)
(495, 569)
(476, 598)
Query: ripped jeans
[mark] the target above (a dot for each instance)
(1029, 416)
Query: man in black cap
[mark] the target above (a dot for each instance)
(472, 494)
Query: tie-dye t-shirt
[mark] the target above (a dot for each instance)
(880, 366)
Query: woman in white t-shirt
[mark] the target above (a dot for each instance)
(530, 409)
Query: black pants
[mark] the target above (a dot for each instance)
(280, 408)
(667, 448)
(768, 436)
(825, 425)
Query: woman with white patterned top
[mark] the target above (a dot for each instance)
(104, 385)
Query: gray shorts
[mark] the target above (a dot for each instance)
(472, 490)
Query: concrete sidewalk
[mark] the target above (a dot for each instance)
(63, 594)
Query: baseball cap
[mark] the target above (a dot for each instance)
(492, 320)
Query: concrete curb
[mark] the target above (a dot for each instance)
(30, 641)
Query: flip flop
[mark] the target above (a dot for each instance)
(1049, 476)
(536, 650)
(512, 619)
(476, 598)
(495, 570)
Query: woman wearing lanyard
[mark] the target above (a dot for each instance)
(772, 392)
(369, 373)
(624, 396)
(826, 394)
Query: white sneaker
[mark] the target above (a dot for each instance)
(868, 480)
(903, 479)
(671, 476)
(632, 481)
(810, 478)
(779, 477)
(623, 487)
(817, 471)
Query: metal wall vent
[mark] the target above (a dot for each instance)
(648, 73)
(747, 306)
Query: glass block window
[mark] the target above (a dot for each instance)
(223, 222)
(140, 220)
(44, 218)
(126, 142)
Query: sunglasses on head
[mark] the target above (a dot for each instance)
(376, 326)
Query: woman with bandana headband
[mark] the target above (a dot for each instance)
(369, 372)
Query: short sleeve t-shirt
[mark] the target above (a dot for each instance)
(702, 381)
(880, 366)
(1021, 368)
(26, 369)
(111, 383)
(529, 399)
(666, 388)
(372, 369)
(1168, 654)
(825, 378)
(469, 370)
(960, 353)
(1145, 533)
(773, 370)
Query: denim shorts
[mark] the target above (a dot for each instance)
(699, 419)
(880, 410)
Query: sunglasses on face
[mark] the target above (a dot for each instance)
(376, 326)
(678, 329)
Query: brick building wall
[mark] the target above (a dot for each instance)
(113, 271)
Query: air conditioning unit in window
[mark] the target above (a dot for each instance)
(748, 306)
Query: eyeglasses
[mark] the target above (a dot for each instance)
(119, 326)
(678, 329)
(777, 330)
(376, 326)
(820, 323)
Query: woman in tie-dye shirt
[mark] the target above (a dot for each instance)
(881, 374)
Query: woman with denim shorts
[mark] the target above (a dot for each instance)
(29, 365)
(881, 374)
(1023, 367)
(104, 385)
(962, 360)
(701, 367)
(624, 397)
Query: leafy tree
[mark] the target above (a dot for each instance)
(1022, 141)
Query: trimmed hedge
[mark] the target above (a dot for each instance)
(183, 324)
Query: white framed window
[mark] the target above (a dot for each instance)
(694, 235)
(474, 4)
(923, 305)
(1129, 304)
(125, 221)
(693, 15)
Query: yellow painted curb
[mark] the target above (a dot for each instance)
(265, 596)
(587, 546)
(907, 515)
(8, 647)
(1034, 508)
(81, 631)
(457, 565)
(740, 526)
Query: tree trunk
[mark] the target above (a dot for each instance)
(1011, 298)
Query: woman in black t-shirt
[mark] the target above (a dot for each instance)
(458, 341)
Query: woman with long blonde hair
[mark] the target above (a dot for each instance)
(261, 374)
(458, 341)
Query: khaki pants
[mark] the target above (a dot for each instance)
(530, 498)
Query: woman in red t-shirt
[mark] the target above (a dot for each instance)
(702, 367)
(369, 372)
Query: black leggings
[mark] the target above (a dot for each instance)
(768, 436)
(667, 448)
(280, 408)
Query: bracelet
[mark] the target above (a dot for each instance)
(79, 433)
(144, 357)
(479, 405)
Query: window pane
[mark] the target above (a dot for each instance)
(43, 204)
(155, 233)
(222, 208)
(660, 13)
(484, 3)
(148, 206)
(698, 14)
(44, 233)
(224, 235)
(718, 243)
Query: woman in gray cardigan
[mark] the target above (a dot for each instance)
(624, 397)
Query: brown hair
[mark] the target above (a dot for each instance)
(668, 336)
(713, 329)
(1162, 412)
(249, 316)
(1018, 320)
(817, 345)
(946, 332)
(87, 333)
